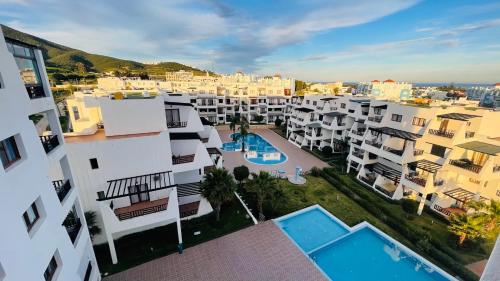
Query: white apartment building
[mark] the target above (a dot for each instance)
(441, 155)
(44, 234)
(218, 99)
(139, 158)
(487, 96)
(388, 89)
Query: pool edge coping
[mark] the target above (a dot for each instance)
(351, 230)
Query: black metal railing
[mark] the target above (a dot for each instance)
(182, 159)
(35, 92)
(141, 212)
(327, 123)
(62, 188)
(393, 151)
(442, 210)
(49, 142)
(373, 143)
(418, 152)
(376, 119)
(440, 133)
(73, 230)
(415, 179)
(469, 134)
(467, 165)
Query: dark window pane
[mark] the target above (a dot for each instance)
(93, 164)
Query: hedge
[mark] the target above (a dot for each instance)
(441, 253)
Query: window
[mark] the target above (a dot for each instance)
(173, 116)
(76, 114)
(31, 216)
(418, 122)
(138, 193)
(9, 153)
(93, 164)
(314, 102)
(88, 272)
(396, 117)
(28, 68)
(438, 150)
(1, 86)
(51, 269)
(307, 101)
(342, 105)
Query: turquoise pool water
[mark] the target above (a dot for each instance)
(312, 229)
(258, 150)
(344, 254)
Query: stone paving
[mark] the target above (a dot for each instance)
(260, 252)
(295, 156)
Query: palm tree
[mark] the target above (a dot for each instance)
(94, 229)
(232, 126)
(218, 187)
(489, 213)
(467, 227)
(244, 127)
(263, 185)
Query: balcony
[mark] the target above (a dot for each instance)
(467, 165)
(177, 124)
(416, 179)
(182, 159)
(393, 151)
(469, 134)
(73, 227)
(327, 123)
(385, 191)
(418, 152)
(440, 133)
(359, 132)
(49, 142)
(62, 188)
(141, 209)
(369, 179)
(359, 154)
(373, 143)
(376, 119)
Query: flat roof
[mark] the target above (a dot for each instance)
(482, 147)
(100, 136)
(458, 116)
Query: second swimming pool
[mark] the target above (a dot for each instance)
(258, 150)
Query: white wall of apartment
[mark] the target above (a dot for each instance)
(23, 255)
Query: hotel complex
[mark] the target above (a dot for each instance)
(44, 231)
(442, 154)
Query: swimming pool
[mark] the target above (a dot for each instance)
(362, 252)
(258, 150)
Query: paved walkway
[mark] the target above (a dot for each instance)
(477, 267)
(295, 156)
(259, 252)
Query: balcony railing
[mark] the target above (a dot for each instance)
(182, 159)
(373, 143)
(74, 229)
(176, 124)
(469, 134)
(368, 180)
(418, 152)
(440, 133)
(393, 151)
(49, 142)
(62, 188)
(359, 132)
(35, 92)
(415, 179)
(376, 119)
(327, 123)
(340, 124)
(384, 191)
(467, 165)
(358, 154)
(141, 209)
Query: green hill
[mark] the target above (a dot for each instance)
(65, 63)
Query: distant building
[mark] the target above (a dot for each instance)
(487, 96)
(388, 89)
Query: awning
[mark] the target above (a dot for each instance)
(362, 121)
(384, 106)
(462, 195)
(184, 136)
(458, 116)
(314, 125)
(179, 103)
(328, 99)
(486, 148)
(335, 114)
(397, 133)
(425, 165)
(304, 109)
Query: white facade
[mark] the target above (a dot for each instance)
(487, 96)
(44, 232)
(220, 98)
(388, 89)
(139, 159)
(441, 154)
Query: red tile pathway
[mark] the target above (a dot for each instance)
(260, 252)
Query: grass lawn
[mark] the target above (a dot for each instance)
(144, 246)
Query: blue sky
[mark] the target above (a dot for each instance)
(315, 40)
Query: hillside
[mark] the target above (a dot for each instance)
(65, 63)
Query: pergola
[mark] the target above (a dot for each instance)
(458, 116)
(425, 165)
(462, 195)
(396, 133)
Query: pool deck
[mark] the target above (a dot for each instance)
(259, 252)
(295, 156)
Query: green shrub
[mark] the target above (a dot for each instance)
(327, 151)
(315, 172)
(409, 206)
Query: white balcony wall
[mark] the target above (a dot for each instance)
(133, 116)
